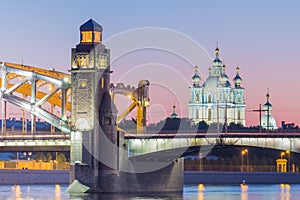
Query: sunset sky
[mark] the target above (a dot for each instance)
(262, 37)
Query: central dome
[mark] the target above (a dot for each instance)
(212, 82)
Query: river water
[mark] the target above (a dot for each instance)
(191, 192)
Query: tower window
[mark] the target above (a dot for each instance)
(87, 36)
(239, 115)
(81, 61)
(103, 61)
(102, 82)
(97, 36)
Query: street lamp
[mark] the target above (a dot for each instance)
(282, 154)
(289, 161)
(245, 151)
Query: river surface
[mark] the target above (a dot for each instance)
(191, 192)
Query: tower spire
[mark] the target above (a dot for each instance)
(268, 95)
(237, 79)
(174, 114)
(196, 78)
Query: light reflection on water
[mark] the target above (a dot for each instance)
(191, 192)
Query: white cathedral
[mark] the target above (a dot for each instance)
(216, 100)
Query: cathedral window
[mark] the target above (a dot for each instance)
(197, 97)
(197, 114)
(209, 99)
(209, 114)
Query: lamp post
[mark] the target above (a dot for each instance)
(282, 154)
(245, 151)
(289, 161)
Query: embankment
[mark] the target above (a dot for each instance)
(238, 177)
(13, 177)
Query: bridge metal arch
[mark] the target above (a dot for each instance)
(140, 100)
(18, 82)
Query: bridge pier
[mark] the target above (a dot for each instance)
(130, 176)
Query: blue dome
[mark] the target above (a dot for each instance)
(196, 76)
(237, 77)
(174, 115)
(217, 60)
(267, 106)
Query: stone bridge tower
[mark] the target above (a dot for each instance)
(93, 115)
(99, 157)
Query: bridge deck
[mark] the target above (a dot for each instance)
(213, 135)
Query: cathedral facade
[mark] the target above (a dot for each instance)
(216, 100)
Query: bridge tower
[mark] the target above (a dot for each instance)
(93, 115)
(99, 156)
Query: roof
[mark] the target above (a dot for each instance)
(237, 77)
(91, 25)
(196, 76)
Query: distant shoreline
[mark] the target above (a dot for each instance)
(19, 177)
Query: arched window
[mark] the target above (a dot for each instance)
(197, 97)
(209, 99)
(209, 114)
(239, 115)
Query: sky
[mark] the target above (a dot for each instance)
(262, 37)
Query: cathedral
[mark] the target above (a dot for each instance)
(216, 100)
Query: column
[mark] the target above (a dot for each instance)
(3, 88)
(3, 116)
(52, 128)
(33, 101)
(23, 122)
(64, 103)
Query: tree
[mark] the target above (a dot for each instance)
(202, 126)
(48, 157)
(60, 161)
(61, 158)
(39, 156)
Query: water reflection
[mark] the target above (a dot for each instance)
(285, 192)
(57, 192)
(244, 192)
(126, 196)
(16, 192)
(201, 192)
